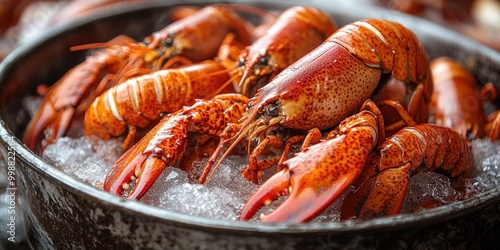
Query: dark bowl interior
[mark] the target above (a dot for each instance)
(62, 212)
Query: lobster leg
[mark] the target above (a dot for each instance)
(314, 181)
(252, 170)
(204, 147)
(267, 193)
(47, 117)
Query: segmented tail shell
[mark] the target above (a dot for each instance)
(435, 146)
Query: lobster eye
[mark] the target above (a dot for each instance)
(272, 110)
(241, 62)
(264, 60)
(169, 41)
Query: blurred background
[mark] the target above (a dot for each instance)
(478, 19)
(20, 20)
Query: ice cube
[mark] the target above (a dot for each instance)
(486, 174)
(85, 159)
(427, 190)
(222, 198)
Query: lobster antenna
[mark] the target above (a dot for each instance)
(243, 78)
(231, 147)
(222, 87)
(115, 41)
(88, 46)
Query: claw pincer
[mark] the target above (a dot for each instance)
(164, 147)
(166, 143)
(318, 175)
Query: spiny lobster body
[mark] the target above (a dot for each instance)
(140, 101)
(457, 102)
(296, 32)
(332, 82)
(358, 154)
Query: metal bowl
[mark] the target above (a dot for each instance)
(63, 213)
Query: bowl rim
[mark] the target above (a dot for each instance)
(92, 194)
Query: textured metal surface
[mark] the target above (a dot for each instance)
(62, 213)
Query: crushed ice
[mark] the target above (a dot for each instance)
(226, 193)
(222, 198)
(83, 158)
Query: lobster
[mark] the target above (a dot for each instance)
(137, 106)
(382, 186)
(140, 101)
(332, 81)
(457, 103)
(295, 32)
(320, 174)
(180, 41)
(164, 145)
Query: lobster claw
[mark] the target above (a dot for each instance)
(143, 168)
(47, 119)
(146, 160)
(313, 182)
(142, 163)
(275, 186)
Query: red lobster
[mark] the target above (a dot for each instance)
(332, 82)
(296, 32)
(457, 103)
(141, 100)
(138, 101)
(382, 186)
(71, 95)
(165, 144)
(318, 175)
